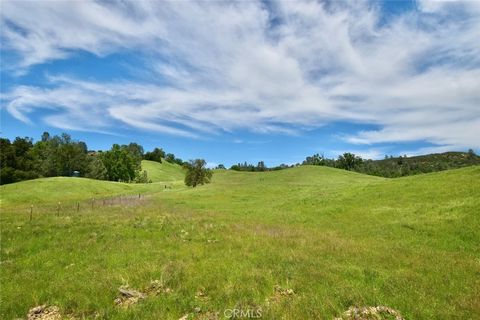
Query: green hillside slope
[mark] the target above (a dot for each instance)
(163, 172)
(335, 238)
(63, 189)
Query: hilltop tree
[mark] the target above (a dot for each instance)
(197, 173)
(135, 150)
(156, 155)
(471, 154)
(348, 161)
(261, 166)
(170, 157)
(315, 160)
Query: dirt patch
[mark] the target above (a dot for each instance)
(209, 315)
(44, 312)
(280, 294)
(128, 297)
(199, 315)
(370, 313)
(157, 287)
(201, 294)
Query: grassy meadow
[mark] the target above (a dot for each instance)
(335, 238)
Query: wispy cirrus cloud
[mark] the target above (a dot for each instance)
(283, 67)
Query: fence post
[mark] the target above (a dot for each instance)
(78, 206)
(31, 212)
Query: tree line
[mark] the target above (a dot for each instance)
(392, 167)
(60, 155)
(260, 167)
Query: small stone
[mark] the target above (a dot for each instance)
(38, 309)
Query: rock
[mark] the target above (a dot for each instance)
(128, 297)
(130, 293)
(38, 309)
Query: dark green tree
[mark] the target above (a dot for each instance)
(71, 156)
(348, 161)
(7, 162)
(7, 153)
(261, 166)
(142, 178)
(96, 169)
(315, 160)
(120, 164)
(59, 156)
(471, 154)
(156, 155)
(197, 173)
(136, 151)
(16, 160)
(170, 157)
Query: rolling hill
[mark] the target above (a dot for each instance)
(392, 167)
(307, 242)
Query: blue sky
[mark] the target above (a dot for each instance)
(245, 81)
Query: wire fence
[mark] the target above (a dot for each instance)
(72, 207)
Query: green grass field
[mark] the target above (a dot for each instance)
(336, 238)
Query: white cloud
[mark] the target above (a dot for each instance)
(244, 65)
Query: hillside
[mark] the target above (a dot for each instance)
(334, 238)
(163, 172)
(63, 189)
(403, 166)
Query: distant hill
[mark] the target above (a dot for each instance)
(404, 166)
